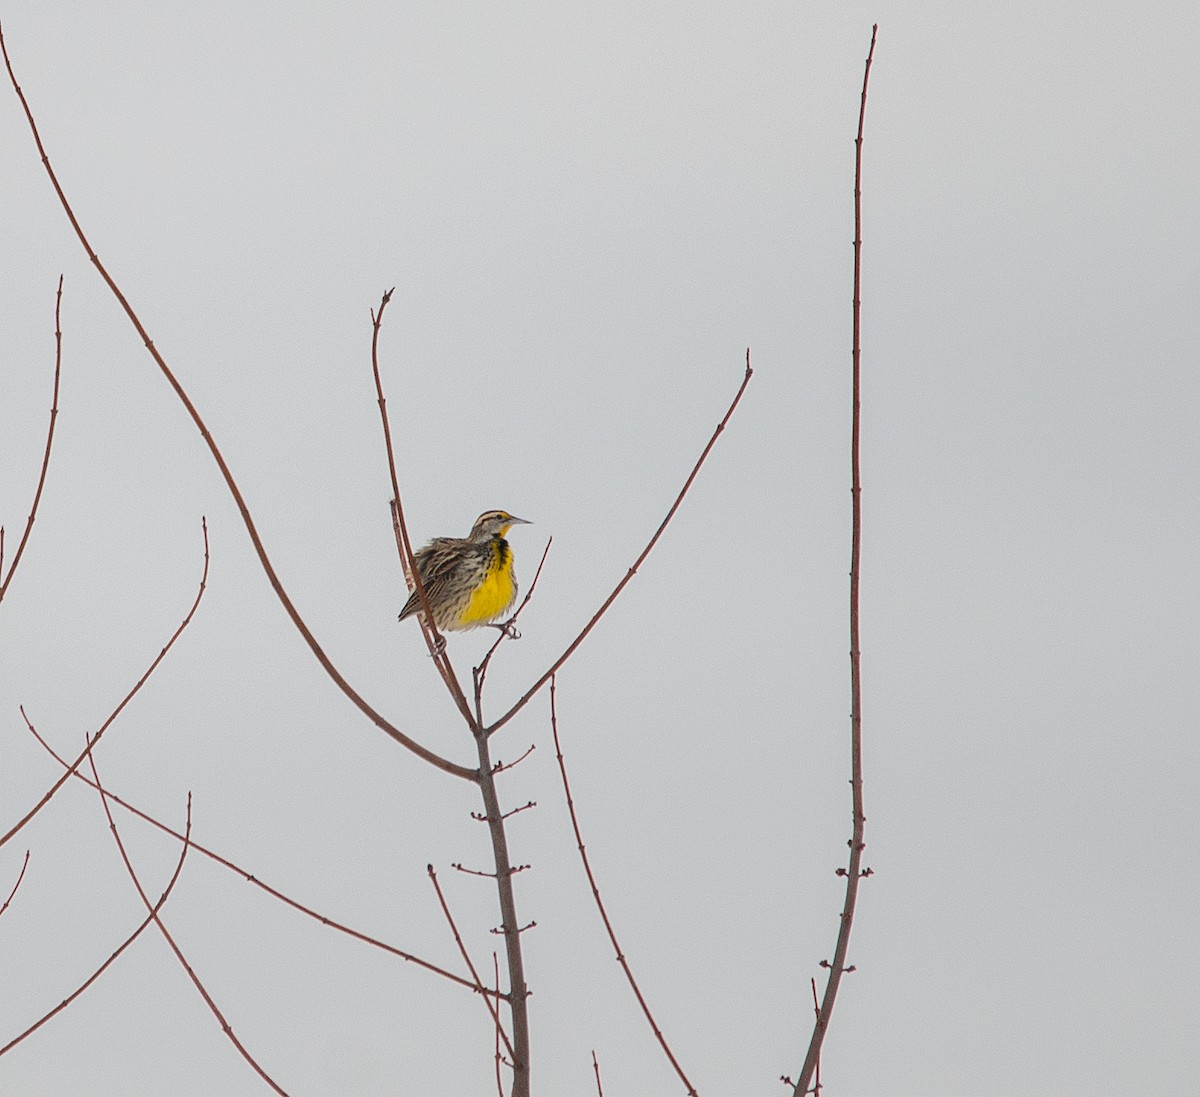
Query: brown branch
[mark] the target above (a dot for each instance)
(20, 877)
(462, 948)
(510, 926)
(37, 495)
(433, 639)
(250, 878)
(528, 695)
(612, 935)
(596, 1068)
(499, 1031)
(154, 915)
(183, 851)
(276, 585)
(480, 672)
(500, 767)
(93, 740)
(837, 967)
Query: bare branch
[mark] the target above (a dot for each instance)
(433, 639)
(37, 495)
(124, 701)
(183, 851)
(480, 672)
(276, 585)
(153, 912)
(462, 948)
(250, 878)
(596, 1068)
(529, 693)
(837, 967)
(612, 935)
(518, 989)
(499, 1031)
(20, 877)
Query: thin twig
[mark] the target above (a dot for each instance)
(37, 495)
(837, 967)
(187, 967)
(480, 672)
(596, 1068)
(433, 639)
(183, 851)
(462, 948)
(612, 935)
(285, 600)
(20, 877)
(529, 693)
(93, 740)
(262, 885)
(499, 1029)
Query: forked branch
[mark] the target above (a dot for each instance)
(285, 600)
(93, 740)
(152, 910)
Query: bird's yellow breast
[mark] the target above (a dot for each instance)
(496, 593)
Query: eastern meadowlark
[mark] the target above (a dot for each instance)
(469, 581)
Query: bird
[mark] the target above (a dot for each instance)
(468, 581)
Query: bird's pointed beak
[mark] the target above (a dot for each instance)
(519, 521)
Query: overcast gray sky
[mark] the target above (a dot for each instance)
(589, 212)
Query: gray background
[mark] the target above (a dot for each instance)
(589, 212)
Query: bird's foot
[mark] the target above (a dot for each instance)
(507, 628)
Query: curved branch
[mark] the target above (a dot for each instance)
(186, 836)
(20, 877)
(262, 885)
(612, 933)
(528, 695)
(62, 780)
(153, 915)
(462, 950)
(433, 639)
(37, 495)
(379, 721)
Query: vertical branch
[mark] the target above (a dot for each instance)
(510, 927)
(852, 871)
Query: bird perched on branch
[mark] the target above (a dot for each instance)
(469, 581)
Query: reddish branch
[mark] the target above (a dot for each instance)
(276, 584)
(250, 878)
(529, 693)
(612, 936)
(20, 877)
(152, 910)
(74, 766)
(37, 495)
(183, 851)
(853, 871)
(462, 948)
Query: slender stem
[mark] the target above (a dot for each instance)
(853, 872)
(93, 740)
(285, 600)
(37, 495)
(527, 696)
(510, 927)
(608, 926)
(462, 951)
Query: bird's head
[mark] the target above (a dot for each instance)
(494, 523)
